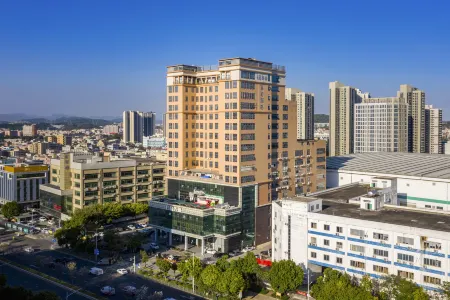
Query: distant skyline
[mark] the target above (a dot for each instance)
(99, 58)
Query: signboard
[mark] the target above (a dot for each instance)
(96, 252)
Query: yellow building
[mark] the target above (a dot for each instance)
(64, 140)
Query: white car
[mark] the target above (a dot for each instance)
(154, 246)
(107, 290)
(248, 248)
(42, 219)
(51, 222)
(32, 222)
(28, 249)
(131, 227)
(211, 251)
(122, 271)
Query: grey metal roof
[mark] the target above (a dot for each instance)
(394, 163)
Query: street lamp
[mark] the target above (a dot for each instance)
(193, 266)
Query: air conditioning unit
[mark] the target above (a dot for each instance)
(312, 244)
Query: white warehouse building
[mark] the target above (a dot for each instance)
(423, 180)
(334, 230)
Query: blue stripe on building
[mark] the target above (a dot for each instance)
(419, 268)
(430, 288)
(326, 234)
(369, 242)
(326, 249)
(364, 273)
(326, 265)
(369, 258)
(420, 251)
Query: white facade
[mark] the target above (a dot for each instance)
(433, 130)
(154, 142)
(359, 246)
(381, 125)
(447, 148)
(111, 129)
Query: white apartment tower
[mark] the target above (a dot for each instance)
(381, 125)
(416, 117)
(433, 130)
(305, 112)
(342, 101)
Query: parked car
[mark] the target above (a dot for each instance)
(42, 219)
(234, 253)
(28, 249)
(108, 291)
(138, 226)
(211, 251)
(218, 255)
(51, 222)
(96, 271)
(248, 248)
(32, 222)
(131, 227)
(129, 290)
(122, 271)
(154, 246)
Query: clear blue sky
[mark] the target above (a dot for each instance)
(98, 58)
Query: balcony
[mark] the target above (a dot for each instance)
(109, 187)
(91, 189)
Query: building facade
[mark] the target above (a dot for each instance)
(111, 129)
(29, 130)
(381, 125)
(305, 112)
(136, 125)
(96, 180)
(148, 123)
(20, 183)
(361, 240)
(416, 117)
(63, 139)
(433, 130)
(342, 101)
(154, 142)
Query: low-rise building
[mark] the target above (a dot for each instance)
(154, 142)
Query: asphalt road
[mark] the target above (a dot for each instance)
(19, 278)
(39, 260)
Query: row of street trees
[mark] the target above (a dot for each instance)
(20, 293)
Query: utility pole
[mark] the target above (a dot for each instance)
(96, 247)
(193, 280)
(307, 272)
(134, 263)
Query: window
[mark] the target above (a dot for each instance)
(314, 225)
(339, 229)
(357, 232)
(326, 257)
(405, 240)
(432, 262)
(339, 260)
(339, 245)
(249, 178)
(313, 255)
(433, 245)
(357, 248)
(313, 240)
(380, 252)
(326, 227)
(326, 242)
(405, 257)
(380, 269)
(380, 236)
(248, 157)
(357, 264)
(432, 280)
(406, 275)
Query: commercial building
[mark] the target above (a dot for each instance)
(360, 233)
(433, 130)
(63, 139)
(93, 179)
(416, 117)
(29, 130)
(423, 180)
(156, 141)
(342, 102)
(136, 125)
(230, 126)
(20, 183)
(381, 125)
(305, 112)
(111, 129)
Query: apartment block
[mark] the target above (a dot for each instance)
(90, 179)
(381, 125)
(433, 130)
(342, 102)
(111, 129)
(51, 139)
(416, 117)
(29, 130)
(305, 112)
(63, 139)
(20, 183)
(136, 125)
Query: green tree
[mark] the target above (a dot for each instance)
(209, 276)
(45, 295)
(395, 287)
(446, 289)
(231, 282)
(164, 266)
(222, 263)
(285, 275)
(144, 256)
(191, 267)
(10, 210)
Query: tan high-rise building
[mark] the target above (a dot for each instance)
(342, 102)
(29, 130)
(64, 140)
(232, 134)
(416, 119)
(305, 112)
(433, 130)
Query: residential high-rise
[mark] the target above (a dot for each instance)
(111, 129)
(342, 101)
(433, 130)
(136, 125)
(63, 139)
(305, 112)
(164, 125)
(230, 137)
(29, 130)
(381, 125)
(416, 119)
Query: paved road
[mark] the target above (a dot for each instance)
(19, 278)
(81, 277)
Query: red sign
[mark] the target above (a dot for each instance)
(264, 262)
(57, 207)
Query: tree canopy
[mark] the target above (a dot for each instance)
(285, 276)
(20, 293)
(10, 210)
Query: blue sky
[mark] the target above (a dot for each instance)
(98, 58)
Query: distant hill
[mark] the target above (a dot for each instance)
(321, 118)
(68, 122)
